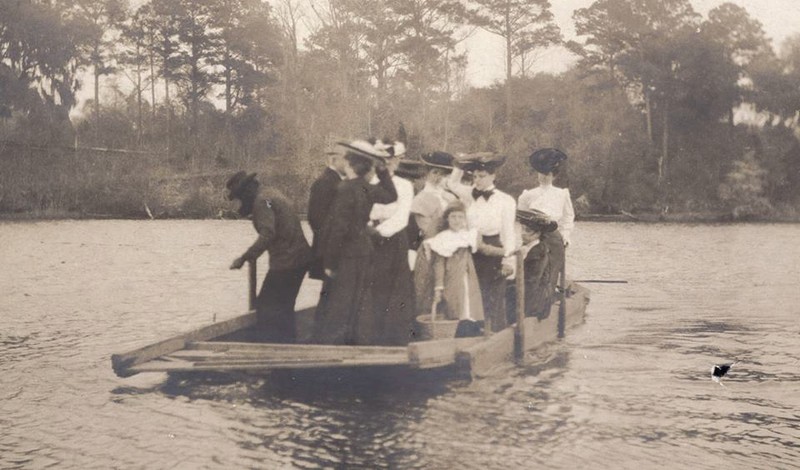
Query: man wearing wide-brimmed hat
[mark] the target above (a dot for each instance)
(492, 213)
(280, 234)
(320, 202)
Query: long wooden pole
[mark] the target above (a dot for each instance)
(252, 273)
(520, 281)
(562, 304)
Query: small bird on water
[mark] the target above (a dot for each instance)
(717, 372)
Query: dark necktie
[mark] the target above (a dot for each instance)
(477, 193)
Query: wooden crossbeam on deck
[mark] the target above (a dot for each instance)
(262, 364)
(303, 348)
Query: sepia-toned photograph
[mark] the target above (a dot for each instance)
(401, 234)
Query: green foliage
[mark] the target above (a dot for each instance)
(219, 85)
(743, 189)
(606, 156)
(38, 45)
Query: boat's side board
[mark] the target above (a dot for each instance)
(479, 359)
(122, 363)
(538, 332)
(581, 296)
(496, 349)
(438, 353)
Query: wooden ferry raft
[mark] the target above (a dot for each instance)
(217, 347)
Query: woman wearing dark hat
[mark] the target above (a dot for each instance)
(280, 234)
(345, 313)
(491, 212)
(392, 284)
(553, 201)
(538, 290)
(428, 211)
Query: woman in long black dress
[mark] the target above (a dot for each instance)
(556, 203)
(345, 315)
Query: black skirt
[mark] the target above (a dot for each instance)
(392, 287)
(493, 285)
(344, 314)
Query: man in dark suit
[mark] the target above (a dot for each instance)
(320, 203)
(280, 234)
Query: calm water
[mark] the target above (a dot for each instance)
(630, 388)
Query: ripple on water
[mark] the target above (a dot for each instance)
(630, 388)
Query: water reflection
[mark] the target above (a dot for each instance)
(317, 419)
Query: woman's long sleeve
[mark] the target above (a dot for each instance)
(384, 192)
(567, 222)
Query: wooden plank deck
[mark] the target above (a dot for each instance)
(122, 363)
(231, 356)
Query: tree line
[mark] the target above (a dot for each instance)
(648, 114)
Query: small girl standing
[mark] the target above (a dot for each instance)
(456, 282)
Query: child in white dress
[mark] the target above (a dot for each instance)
(455, 280)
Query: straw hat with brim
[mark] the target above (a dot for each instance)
(410, 169)
(438, 159)
(332, 151)
(333, 146)
(487, 161)
(547, 160)
(365, 149)
(237, 183)
(536, 220)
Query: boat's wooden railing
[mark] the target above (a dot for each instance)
(562, 307)
(252, 276)
(519, 278)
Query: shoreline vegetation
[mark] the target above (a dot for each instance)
(227, 214)
(90, 184)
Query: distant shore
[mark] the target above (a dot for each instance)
(684, 218)
(676, 217)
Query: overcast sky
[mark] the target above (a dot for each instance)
(780, 18)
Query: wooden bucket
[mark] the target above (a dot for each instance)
(430, 327)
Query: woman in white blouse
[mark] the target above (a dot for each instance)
(553, 201)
